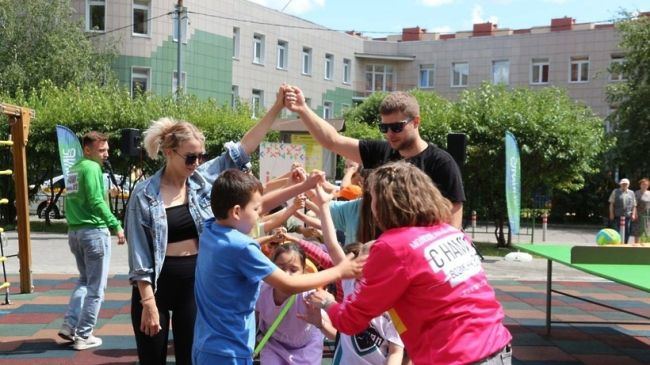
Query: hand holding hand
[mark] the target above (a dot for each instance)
(352, 267)
(321, 197)
(317, 298)
(294, 99)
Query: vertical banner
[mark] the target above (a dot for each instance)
(69, 149)
(276, 159)
(513, 182)
(313, 151)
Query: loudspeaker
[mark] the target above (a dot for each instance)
(130, 142)
(456, 146)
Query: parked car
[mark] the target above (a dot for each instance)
(44, 195)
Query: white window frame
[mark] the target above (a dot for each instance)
(455, 70)
(306, 61)
(175, 81)
(259, 41)
(620, 59)
(388, 71)
(498, 65)
(282, 58)
(328, 110)
(89, 5)
(347, 71)
(427, 73)
(138, 72)
(578, 62)
(329, 66)
(540, 64)
(257, 101)
(146, 6)
(236, 38)
(234, 96)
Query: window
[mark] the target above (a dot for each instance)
(379, 78)
(459, 74)
(283, 55)
(141, 17)
(234, 96)
(139, 80)
(306, 61)
(308, 102)
(327, 110)
(235, 42)
(257, 100)
(615, 68)
(579, 69)
(258, 48)
(347, 71)
(539, 71)
(183, 26)
(329, 66)
(96, 15)
(175, 82)
(501, 72)
(426, 76)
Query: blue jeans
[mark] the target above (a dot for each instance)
(91, 248)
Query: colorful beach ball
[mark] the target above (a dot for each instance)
(608, 236)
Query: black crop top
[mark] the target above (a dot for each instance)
(180, 225)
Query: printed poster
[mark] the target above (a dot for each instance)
(276, 159)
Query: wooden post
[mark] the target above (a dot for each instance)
(19, 120)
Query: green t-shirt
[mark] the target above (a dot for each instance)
(86, 202)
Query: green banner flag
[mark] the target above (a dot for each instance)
(513, 182)
(69, 149)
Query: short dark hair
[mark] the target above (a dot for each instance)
(232, 187)
(290, 248)
(91, 137)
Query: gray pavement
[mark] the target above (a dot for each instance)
(51, 255)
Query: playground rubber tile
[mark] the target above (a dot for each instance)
(17, 329)
(526, 314)
(42, 308)
(584, 347)
(607, 360)
(28, 318)
(541, 353)
(115, 329)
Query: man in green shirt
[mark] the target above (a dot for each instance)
(89, 220)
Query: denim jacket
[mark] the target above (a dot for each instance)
(145, 223)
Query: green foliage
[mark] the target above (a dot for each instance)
(38, 41)
(109, 109)
(559, 140)
(632, 117)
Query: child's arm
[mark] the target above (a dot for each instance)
(319, 319)
(276, 197)
(395, 354)
(279, 218)
(350, 168)
(348, 268)
(322, 199)
(314, 252)
(310, 221)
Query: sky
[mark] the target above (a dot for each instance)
(377, 18)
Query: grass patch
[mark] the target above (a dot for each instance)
(54, 227)
(491, 249)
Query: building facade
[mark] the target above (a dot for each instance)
(238, 49)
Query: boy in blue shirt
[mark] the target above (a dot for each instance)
(229, 270)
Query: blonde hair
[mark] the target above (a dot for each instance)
(404, 196)
(169, 133)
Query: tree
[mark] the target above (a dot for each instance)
(559, 140)
(39, 41)
(632, 117)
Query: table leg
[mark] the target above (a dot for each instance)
(549, 279)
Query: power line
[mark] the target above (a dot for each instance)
(99, 34)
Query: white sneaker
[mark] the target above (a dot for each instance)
(81, 343)
(66, 333)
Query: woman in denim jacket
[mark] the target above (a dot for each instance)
(164, 218)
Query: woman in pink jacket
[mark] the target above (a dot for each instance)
(426, 274)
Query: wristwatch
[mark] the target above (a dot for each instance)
(326, 302)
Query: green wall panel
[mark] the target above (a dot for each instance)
(339, 97)
(207, 64)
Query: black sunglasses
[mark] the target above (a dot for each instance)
(395, 127)
(191, 158)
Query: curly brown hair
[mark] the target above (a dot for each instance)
(404, 196)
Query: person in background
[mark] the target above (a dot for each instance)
(164, 218)
(641, 227)
(400, 123)
(622, 205)
(89, 220)
(426, 274)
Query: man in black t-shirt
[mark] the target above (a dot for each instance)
(400, 120)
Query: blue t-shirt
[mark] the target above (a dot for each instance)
(345, 215)
(229, 269)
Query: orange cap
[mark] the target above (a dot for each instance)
(350, 192)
